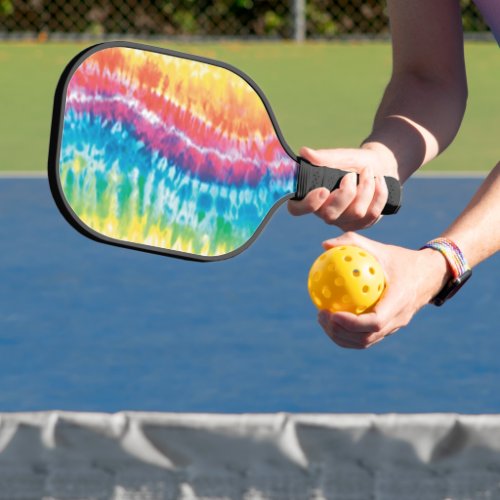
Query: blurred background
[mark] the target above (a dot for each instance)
(324, 91)
(282, 19)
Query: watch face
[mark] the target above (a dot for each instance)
(451, 288)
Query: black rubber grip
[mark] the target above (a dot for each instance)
(312, 177)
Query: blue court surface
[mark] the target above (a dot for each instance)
(90, 327)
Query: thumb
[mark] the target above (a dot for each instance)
(311, 155)
(349, 238)
(377, 249)
(338, 158)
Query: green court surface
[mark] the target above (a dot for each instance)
(323, 95)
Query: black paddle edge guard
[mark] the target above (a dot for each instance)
(312, 177)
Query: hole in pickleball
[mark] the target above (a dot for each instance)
(362, 254)
(348, 258)
(359, 310)
(356, 273)
(372, 270)
(339, 281)
(366, 289)
(317, 300)
(317, 276)
(379, 288)
(327, 293)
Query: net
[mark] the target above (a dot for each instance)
(153, 456)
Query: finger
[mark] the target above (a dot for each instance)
(372, 343)
(338, 201)
(341, 340)
(324, 318)
(311, 203)
(348, 338)
(366, 209)
(365, 191)
(354, 341)
(393, 332)
(362, 340)
(391, 311)
(374, 221)
(380, 196)
(338, 334)
(344, 344)
(362, 324)
(376, 338)
(357, 225)
(384, 318)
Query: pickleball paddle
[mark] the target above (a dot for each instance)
(172, 153)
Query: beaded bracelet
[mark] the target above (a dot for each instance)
(452, 254)
(460, 269)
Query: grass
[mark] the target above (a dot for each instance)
(323, 95)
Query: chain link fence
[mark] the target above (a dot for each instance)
(206, 18)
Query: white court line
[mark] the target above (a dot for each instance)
(23, 175)
(455, 174)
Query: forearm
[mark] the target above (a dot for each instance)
(416, 120)
(477, 230)
(424, 103)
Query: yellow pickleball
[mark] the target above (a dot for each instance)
(346, 278)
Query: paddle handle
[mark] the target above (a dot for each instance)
(312, 177)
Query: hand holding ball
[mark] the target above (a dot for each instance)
(346, 278)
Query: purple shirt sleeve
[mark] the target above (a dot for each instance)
(490, 9)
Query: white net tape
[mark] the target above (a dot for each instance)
(160, 456)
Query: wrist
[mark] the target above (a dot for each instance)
(437, 272)
(457, 266)
(386, 156)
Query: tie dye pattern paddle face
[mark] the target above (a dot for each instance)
(169, 153)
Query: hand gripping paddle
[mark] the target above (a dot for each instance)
(171, 153)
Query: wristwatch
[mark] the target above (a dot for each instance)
(460, 270)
